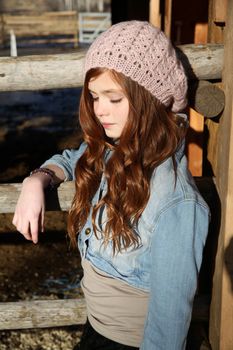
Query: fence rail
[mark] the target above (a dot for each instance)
(91, 24)
(59, 199)
(57, 313)
(40, 72)
(48, 25)
(42, 313)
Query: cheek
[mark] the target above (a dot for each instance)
(125, 115)
(94, 107)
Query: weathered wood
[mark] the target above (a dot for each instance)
(195, 142)
(216, 27)
(168, 17)
(200, 33)
(91, 24)
(59, 199)
(212, 131)
(212, 144)
(41, 72)
(154, 13)
(66, 70)
(204, 62)
(196, 120)
(221, 314)
(28, 6)
(56, 313)
(207, 98)
(42, 313)
(49, 25)
(220, 11)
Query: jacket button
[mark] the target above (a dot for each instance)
(87, 231)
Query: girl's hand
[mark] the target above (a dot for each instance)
(29, 213)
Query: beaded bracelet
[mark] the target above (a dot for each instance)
(47, 172)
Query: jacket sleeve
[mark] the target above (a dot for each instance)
(176, 254)
(67, 161)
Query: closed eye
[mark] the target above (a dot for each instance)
(116, 101)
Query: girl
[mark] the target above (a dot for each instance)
(137, 216)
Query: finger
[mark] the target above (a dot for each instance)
(42, 221)
(34, 227)
(14, 220)
(24, 228)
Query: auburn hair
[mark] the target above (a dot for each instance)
(150, 136)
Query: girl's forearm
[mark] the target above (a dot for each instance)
(48, 176)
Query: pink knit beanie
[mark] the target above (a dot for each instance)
(142, 52)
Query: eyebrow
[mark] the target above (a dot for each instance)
(108, 91)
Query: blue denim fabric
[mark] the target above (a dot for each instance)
(172, 231)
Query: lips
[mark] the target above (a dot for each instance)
(107, 125)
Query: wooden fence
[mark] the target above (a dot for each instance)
(60, 71)
(59, 26)
(38, 72)
(91, 24)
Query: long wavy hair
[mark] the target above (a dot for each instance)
(150, 136)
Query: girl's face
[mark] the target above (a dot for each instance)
(111, 106)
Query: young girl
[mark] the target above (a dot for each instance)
(137, 216)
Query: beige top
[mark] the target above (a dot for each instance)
(114, 308)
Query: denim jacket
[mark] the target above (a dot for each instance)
(172, 230)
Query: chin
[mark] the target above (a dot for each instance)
(112, 135)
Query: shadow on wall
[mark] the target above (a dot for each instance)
(209, 192)
(228, 259)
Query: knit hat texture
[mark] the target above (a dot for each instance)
(142, 52)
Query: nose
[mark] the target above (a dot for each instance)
(100, 108)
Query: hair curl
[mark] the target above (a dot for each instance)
(150, 136)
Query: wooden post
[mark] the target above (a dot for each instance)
(168, 17)
(13, 44)
(216, 30)
(217, 14)
(221, 315)
(195, 142)
(195, 149)
(155, 15)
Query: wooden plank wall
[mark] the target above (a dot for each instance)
(221, 316)
(217, 16)
(196, 120)
(216, 30)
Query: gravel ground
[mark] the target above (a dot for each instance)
(46, 339)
